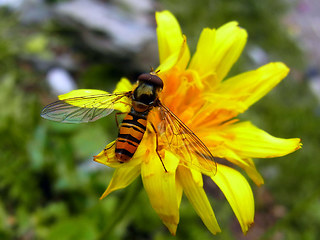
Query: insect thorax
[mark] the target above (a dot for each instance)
(145, 93)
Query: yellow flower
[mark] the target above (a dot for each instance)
(198, 93)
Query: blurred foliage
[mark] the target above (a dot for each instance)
(49, 184)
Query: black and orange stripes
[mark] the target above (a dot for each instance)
(134, 124)
(130, 135)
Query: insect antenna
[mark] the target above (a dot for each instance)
(154, 72)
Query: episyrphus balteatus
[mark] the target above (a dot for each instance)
(175, 135)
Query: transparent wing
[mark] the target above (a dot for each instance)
(178, 138)
(83, 109)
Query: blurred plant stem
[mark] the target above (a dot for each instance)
(121, 210)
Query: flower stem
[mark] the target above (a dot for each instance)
(122, 208)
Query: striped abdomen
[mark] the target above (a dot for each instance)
(130, 135)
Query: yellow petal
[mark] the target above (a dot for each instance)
(92, 98)
(238, 193)
(184, 55)
(198, 199)
(249, 141)
(122, 177)
(218, 50)
(237, 94)
(81, 93)
(124, 104)
(124, 85)
(172, 44)
(161, 187)
(179, 191)
(107, 156)
(197, 177)
(230, 41)
(249, 87)
(223, 152)
(177, 60)
(205, 52)
(253, 173)
(169, 34)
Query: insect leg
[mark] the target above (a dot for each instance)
(157, 147)
(116, 116)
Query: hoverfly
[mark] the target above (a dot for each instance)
(177, 137)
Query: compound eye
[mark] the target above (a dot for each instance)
(152, 79)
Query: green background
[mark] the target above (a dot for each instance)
(49, 185)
